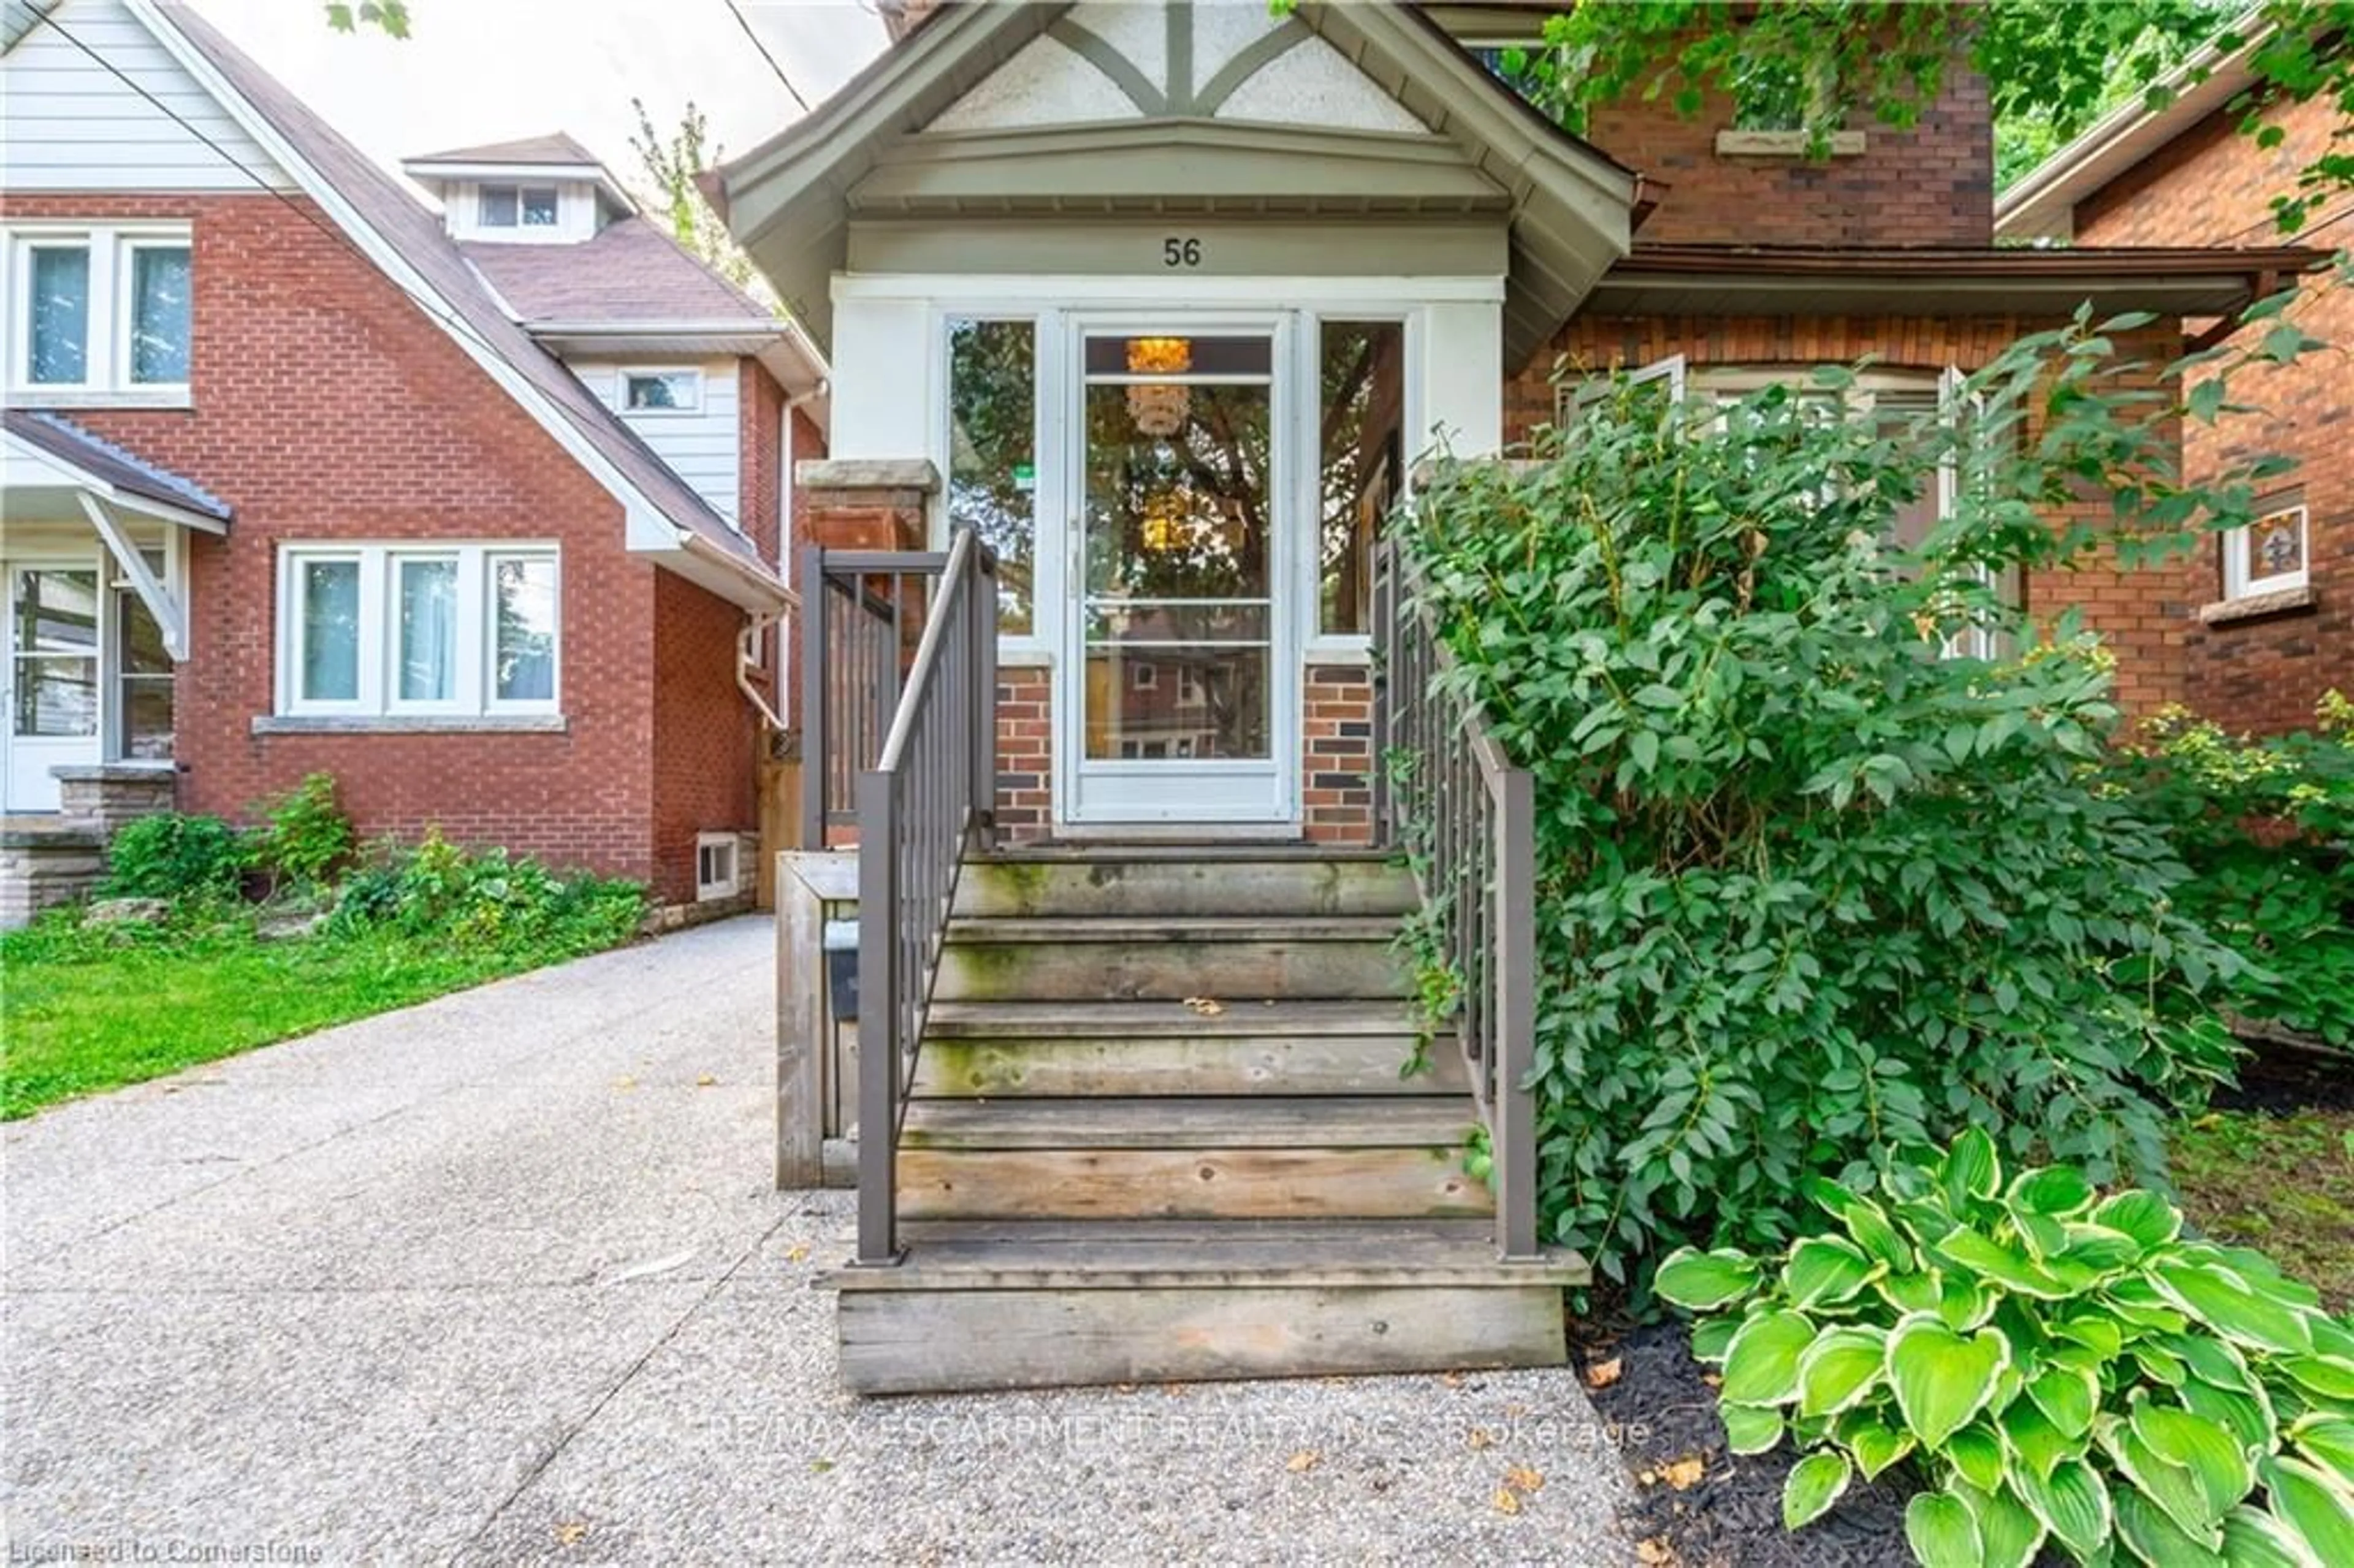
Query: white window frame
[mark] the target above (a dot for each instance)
(481, 204)
(629, 373)
(378, 687)
(471, 650)
(126, 308)
(1143, 678)
(106, 350)
(2239, 579)
(728, 887)
(485, 625)
(1570, 395)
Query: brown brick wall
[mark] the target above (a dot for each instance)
(2213, 185)
(1932, 184)
(1337, 746)
(759, 440)
(2141, 614)
(326, 405)
(1025, 753)
(703, 755)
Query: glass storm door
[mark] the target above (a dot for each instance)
(52, 680)
(1177, 679)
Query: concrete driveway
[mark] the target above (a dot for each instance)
(502, 1278)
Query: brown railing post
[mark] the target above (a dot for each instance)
(878, 1020)
(817, 753)
(981, 606)
(1514, 954)
(1384, 642)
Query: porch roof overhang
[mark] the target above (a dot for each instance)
(1765, 280)
(47, 464)
(859, 159)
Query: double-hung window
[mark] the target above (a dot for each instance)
(99, 313)
(419, 631)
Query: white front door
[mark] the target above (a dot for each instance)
(52, 679)
(1179, 669)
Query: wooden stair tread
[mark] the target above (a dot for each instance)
(1182, 1122)
(1240, 852)
(1161, 1019)
(1047, 929)
(1016, 1254)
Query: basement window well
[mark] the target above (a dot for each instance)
(716, 874)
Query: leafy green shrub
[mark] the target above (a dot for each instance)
(2267, 829)
(2062, 1368)
(1816, 881)
(304, 836)
(486, 900)
(175, 857)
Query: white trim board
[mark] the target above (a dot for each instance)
(969, 291)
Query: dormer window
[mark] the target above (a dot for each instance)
(514, 207)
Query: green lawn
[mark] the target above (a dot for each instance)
(2283, 1184)
(76, 1019)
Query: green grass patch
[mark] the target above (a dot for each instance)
(2283, 1184)
(81, 1013)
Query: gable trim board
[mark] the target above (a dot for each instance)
(876, 151)
(649, 528)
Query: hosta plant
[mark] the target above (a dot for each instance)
(2061, 1369)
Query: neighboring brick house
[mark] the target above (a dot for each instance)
(481, 512)
(1166, 300)
(2264, 616)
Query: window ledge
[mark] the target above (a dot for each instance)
(2281, 601)
(411, 723)
(38, 397)
(1733, 143)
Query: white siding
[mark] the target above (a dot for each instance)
(701, 447)
(69, 122)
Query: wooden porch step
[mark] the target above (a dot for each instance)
(1033, 1304)
(1066, 1254)
(1067, 1048)
(1231, 959)
(1127, 883)
(1331, 1121)
(1367, 1157)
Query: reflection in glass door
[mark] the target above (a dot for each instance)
(52, 680)
(1179, 626)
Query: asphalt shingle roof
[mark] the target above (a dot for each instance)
(557, 148)
(413, 231)
(631, 271)
(116, 465)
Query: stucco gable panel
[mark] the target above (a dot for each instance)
(1311, 84)
(1047, 83)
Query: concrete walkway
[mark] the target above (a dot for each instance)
(501, 1279)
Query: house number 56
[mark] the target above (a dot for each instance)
(1176, 252)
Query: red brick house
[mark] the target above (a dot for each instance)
(1164, 303)
(482, 511)
(1073, 199)
(2261, 623)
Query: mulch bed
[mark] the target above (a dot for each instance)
(1730, 1516)
(2280, 1080)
